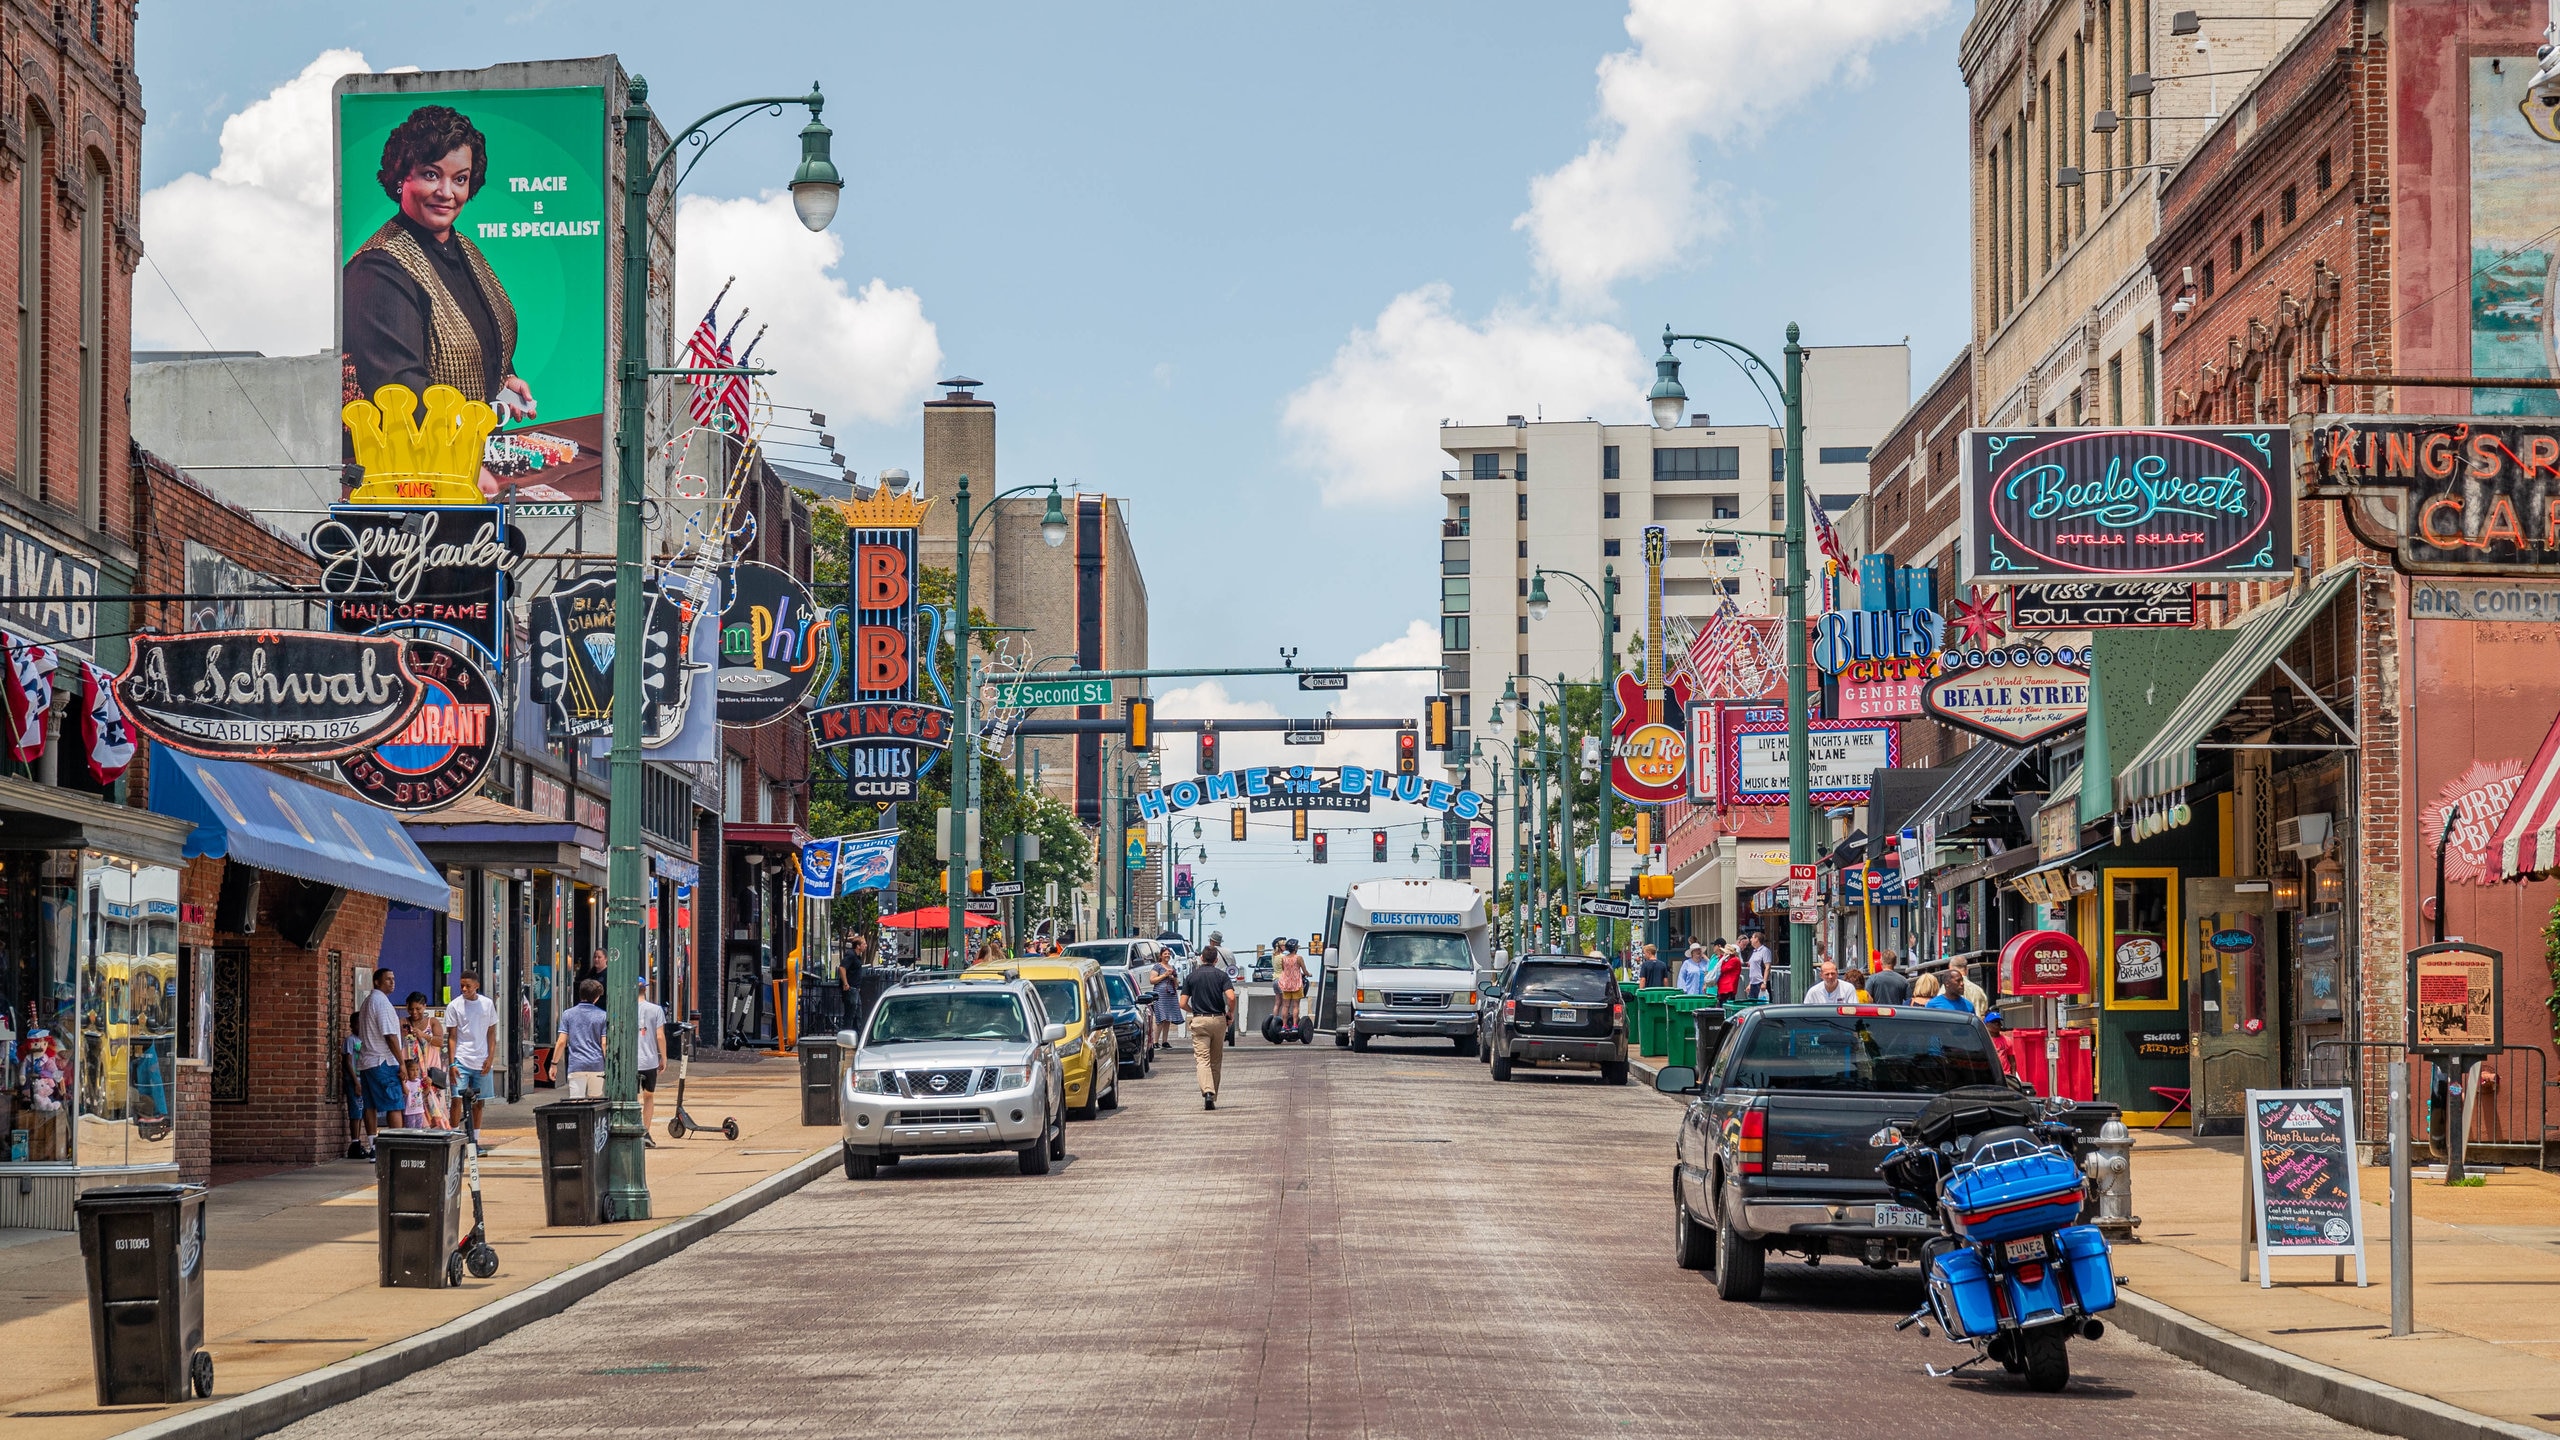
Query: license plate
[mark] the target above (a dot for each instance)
(1561, 1015)
(1896, 1217)
(2031, 1248)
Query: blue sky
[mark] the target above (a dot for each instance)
(1148, 228)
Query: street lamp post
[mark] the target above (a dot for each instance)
(1563, 761)
(815, 190)
(964, 734)
(1510, 879)
(1669, 400)
(1606, 598)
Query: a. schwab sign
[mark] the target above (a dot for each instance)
(2191, 503)
(1261, 780)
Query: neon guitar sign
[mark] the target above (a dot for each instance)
(1648, 749)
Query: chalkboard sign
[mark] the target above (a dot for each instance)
(2302, 1176)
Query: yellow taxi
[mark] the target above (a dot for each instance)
(1070, 990)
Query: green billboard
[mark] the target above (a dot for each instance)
(473, 250)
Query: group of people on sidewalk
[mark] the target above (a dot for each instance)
(416, 1066)
(1716, 967)
(1732, 971)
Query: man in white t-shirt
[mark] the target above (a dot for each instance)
(473, 1019)
(1831, 989)
(652, 1037)
(378, 1059)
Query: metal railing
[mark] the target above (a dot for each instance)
(2499, 1110)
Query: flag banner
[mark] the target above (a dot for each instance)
(26, 685)
(866, 862)
(103, 733)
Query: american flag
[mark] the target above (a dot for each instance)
(1712, 650)
(1826, 536)
(702, 352)
(734, 395)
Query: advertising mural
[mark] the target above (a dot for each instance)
(474, 253)
(2513, 216)
(2190, 503)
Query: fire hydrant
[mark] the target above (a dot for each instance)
(2110, 1170)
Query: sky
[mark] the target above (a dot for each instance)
(1231, 263)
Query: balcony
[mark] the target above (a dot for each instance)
(1454, 529)
(1469, 477)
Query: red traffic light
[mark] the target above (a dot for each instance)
(1318, 842)
(1378, 847)
(1208, 752)
(1408, 752)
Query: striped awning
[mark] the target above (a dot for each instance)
(2527, 840)
(2168, 761)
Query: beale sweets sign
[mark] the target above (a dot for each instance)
(2477, 495)
(2193, 503)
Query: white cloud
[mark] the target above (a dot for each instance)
(1383, 696)
(248, 245)
(867, 351)
(1367, 425)
(1632, 203)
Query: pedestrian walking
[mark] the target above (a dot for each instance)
(1759, 960)
(351, 1060)
(653, 1058)
(1937, 993)
(1693, 971)
(472, 1023)
(1831, 989)
(1888, 985)
(1166, 982)
(578, 1052)
(1209, 998)
(378, 1059)
(1654, 971)
(1291, 976)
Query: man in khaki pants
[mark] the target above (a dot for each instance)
(1208, 998)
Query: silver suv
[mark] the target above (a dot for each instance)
(955, 1068)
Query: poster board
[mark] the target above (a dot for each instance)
(2301, 1178)
(2455, 1004)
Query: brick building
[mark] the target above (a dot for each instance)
(1912, 512)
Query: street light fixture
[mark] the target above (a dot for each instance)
(1053, 521)
(1669, 401)
(1604, 600)
(1538, 602)
(815, 188)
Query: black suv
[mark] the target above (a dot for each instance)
(1558, 1007)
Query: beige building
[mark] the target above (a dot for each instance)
(1577, 496)
(2107, 94)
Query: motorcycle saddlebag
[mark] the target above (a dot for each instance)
(2093, 1273)
(1961, 1289)
(2005, 1199)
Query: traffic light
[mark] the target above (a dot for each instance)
(1408, 753)
(1235, 823)
(1436, 727)
(1319, 844)
(1208, 752)
(1377, 847)
(1140, 714)
(1653, 887)
(977, 882)
(1297, 824)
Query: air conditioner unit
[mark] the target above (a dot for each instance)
(2303, 836)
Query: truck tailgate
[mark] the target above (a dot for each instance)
(1817, 1144)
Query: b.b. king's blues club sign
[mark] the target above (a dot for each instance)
(1265, 780)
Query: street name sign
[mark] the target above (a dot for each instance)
(1038, 694)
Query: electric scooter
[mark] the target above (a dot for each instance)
(474, 1253)
(682, 1123)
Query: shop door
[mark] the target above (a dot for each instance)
(2231, 998)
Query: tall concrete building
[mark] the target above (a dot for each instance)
(1577, 496)
(1081, 606)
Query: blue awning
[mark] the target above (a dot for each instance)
(275, 822)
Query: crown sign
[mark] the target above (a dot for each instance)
(408, 463)
(884, 512)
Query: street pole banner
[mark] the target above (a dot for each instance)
(818, 868)
(868, 861)
(508, 185)
(2302, 1178)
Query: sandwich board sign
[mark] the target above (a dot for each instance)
(2302, 1179)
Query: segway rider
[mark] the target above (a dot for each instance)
(1292, 976)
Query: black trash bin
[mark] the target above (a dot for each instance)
(144, 1248)
(417, 1186)
(821, 1070)
(573, 1188)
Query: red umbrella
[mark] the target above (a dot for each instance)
(934, 917)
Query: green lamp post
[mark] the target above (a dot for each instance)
(1605, 597)
(815, 190)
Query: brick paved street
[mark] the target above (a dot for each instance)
(1380, 1245)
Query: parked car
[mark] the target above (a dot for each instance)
(1557, 1008)
(1775, 1150)
(1129, 1002)
(1070, 990)
(1133, 955)
(945, 1068)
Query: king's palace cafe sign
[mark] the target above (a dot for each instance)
(2466, 494)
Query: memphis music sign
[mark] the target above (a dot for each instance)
(2187, 503)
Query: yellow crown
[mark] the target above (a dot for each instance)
(884, 512)
(407, 463)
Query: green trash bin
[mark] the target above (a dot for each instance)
(1680, 1032)
(1653, 1004)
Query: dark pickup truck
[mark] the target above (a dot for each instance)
(1777, 1149)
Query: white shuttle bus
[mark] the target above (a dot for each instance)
(1411, 960)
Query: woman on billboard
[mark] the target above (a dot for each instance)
(422, 305)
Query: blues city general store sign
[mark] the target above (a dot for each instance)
(2188, 503)
(1265, 780)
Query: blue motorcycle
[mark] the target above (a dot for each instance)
(2012, 1273)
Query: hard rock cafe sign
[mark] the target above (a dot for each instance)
(1648, 746)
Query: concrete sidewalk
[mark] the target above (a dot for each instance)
(2486, 1263)
(291, 1280)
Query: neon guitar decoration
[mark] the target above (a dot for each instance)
(1648, 749)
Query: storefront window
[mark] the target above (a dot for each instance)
(88, 1009)
(2141, 952)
